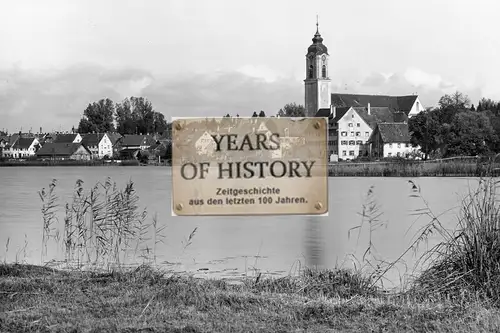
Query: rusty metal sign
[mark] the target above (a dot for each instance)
(249, 166)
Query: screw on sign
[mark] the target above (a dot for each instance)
(274, 165)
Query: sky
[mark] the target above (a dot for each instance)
(210, 58)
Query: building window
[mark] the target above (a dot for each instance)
(407, 145)
(390, 145)
(389, 155)
(398, 154)
(358, 124)
(367, 133)
(343, 142)
(399, 145)
(323, 71)
(344, 133)
(350, 124)
(359, 142)
(352, 116)
(311, 71)
(351, 152)
(351, 143)
(358, 133)
(335, 142)
(344, 153)
(352, 133)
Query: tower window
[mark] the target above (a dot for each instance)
(323, 71)
(311, 71)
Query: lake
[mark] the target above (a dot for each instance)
(237, 246)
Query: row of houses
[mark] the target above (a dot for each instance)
(358, 129)
(75, 146)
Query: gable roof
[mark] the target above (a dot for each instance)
(114, 137)
(394, 132)
(13, 138)
(395, 103)
(377, 115)
(65, 138)
(92, 139)
(23, 143)
(137, 140)
(60, 149)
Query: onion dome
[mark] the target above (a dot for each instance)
(317, 48)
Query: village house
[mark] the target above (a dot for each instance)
(64, 151)
(391, 140)
(21, 148)
(352, 117)
(99, 144)
(129, 145)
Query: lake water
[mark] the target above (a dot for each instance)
(236, 246)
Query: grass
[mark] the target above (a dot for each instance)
(454, 167)
(39, 299)
(456, 290)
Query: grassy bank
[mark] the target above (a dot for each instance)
(458, 289)
(37, 299)
(460, 167)
(38, 163)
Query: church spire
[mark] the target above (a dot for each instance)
(317, 37)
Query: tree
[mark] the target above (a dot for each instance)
(136, 115)
(472, 108)
(292, 110)
(262, 113)
(457, 100)
(97, 117)
(254, 114)
(488, 104)
(426, 131)
(470, 134)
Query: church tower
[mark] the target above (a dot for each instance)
(317, 82)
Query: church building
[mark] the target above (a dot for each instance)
(353, 118)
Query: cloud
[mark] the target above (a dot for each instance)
(54, 99)
(57, 98)
(260, 72)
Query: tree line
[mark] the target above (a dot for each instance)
(289, 110)
(134, 115)
(457, 128)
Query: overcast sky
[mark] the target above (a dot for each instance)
(197, 58)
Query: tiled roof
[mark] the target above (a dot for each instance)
(395, 103)
(377, 115)
(323, 113)
(137, 140)
(394, 132)
(65, 138)
(13, 138)
(23, 143)
(59, 149)
(114, 137)
(92, 139)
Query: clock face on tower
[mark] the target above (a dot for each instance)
(323, 57)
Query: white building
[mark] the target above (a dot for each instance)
(352, 117)
(99, 144)
(21, 148)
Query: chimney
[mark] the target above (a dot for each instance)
(369, 109)
(333, 110)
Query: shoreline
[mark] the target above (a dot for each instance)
(432, 168)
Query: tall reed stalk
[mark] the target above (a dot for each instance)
(49, 215)
(102, 226)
